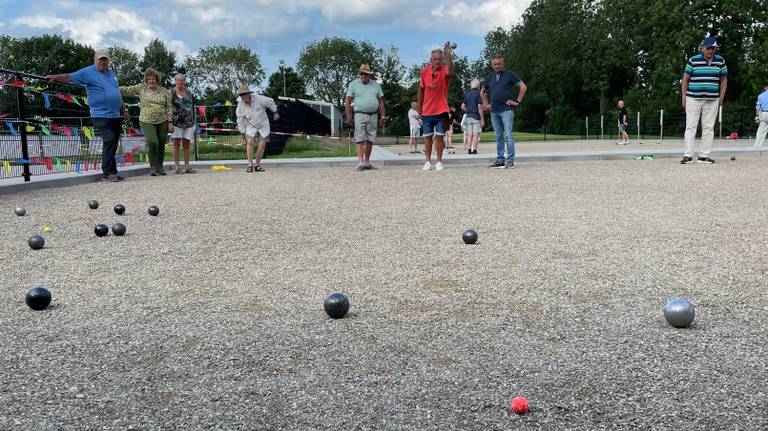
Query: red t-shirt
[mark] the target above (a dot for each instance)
(435, 90)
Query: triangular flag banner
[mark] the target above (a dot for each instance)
(87, 132)
(228, 103)
(45, 130)
(46, 101)
(30, 128)
(69, 165)
(95, 165)
(7, 168)
(229, 121)
(201, 110)
(13, 130)
(144, 158)
(74, 99)
(77, 166)
(59, 168)
(85, 100)
(17, 84)
(67, 131)
(48, 163)
(74, 133)
(217, 104)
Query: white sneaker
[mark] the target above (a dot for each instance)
(439, 166)
(427, 166)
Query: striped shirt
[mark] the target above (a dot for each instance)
(705, 76)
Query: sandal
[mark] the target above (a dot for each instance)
(250, 169)
(259, 168)
(179, 171)
(189, 171)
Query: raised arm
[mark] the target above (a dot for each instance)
(62, 77)
(448, 58)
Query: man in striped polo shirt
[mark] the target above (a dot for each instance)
(705, 81)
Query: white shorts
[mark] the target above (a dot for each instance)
(473, 126)
(252, 131)
(187, 133)
(415, 132)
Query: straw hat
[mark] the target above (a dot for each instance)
(364, 68)
(244, 90)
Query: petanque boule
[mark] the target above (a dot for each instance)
(119, 209)
(38, 298)
(36, 242)
(153, 211)
(118, 229)
(469, 236)
(93, 204)
(101, 230)
(679, 313)
(20, 211)
(336, 305)
(733, 158)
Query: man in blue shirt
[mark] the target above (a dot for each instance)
(705, 80)
(761, 117)
(501, 83)
(106, 106)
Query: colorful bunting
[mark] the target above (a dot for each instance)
(217, 104)
(17, 84)
(30, 128)
(74, 99)
(88, 133)
(46, 101)
(69, 165)
(13, 130)
(7, 168)
(201, 110)
(45, 130)
(228, 103)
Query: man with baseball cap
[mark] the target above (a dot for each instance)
(705, 81)
(365, 96)
(106, 107)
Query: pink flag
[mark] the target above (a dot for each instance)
(201, 110)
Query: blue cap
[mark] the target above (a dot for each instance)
(710, 41)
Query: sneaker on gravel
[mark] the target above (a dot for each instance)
(439, 166)
(510, 164)
(706, 160)
(427, 167)
(686, 160)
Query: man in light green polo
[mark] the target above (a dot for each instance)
(367, 99)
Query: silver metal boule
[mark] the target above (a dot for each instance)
(679, 313)
(20, 211)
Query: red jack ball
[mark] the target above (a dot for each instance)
(520, 405)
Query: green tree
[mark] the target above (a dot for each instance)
(43, 55)
(159, 57)
(285, 79)
(328, 65)
(218, 70)
(125, 64)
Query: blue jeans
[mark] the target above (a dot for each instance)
(502, 125)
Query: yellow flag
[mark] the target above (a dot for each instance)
(87, 132)
(69, 165)
(7, 168)
(30, 128)
(228, 103)
(85, 99)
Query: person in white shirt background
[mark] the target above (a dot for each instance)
(414, 123)
(252, 121)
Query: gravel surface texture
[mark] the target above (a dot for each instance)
(210, 316)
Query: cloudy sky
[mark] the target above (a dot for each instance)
(276, 29)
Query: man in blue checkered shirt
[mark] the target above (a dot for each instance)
(705, 81)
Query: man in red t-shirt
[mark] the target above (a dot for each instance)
(433, 102)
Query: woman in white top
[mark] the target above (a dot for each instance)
(251, 121)
(183, 122)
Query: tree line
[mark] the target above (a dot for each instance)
(578, 58)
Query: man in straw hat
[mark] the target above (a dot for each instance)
(252, 120)
(105, 104)
(367, 99)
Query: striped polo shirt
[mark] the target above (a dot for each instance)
(705, 76)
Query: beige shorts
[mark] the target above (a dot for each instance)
(365, 127)
(473, 126)
(187, 133)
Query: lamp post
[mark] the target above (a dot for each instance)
(282, 69)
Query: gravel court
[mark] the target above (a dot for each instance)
(210, 315)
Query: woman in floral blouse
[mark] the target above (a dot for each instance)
(183, 122)
(155, 117)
